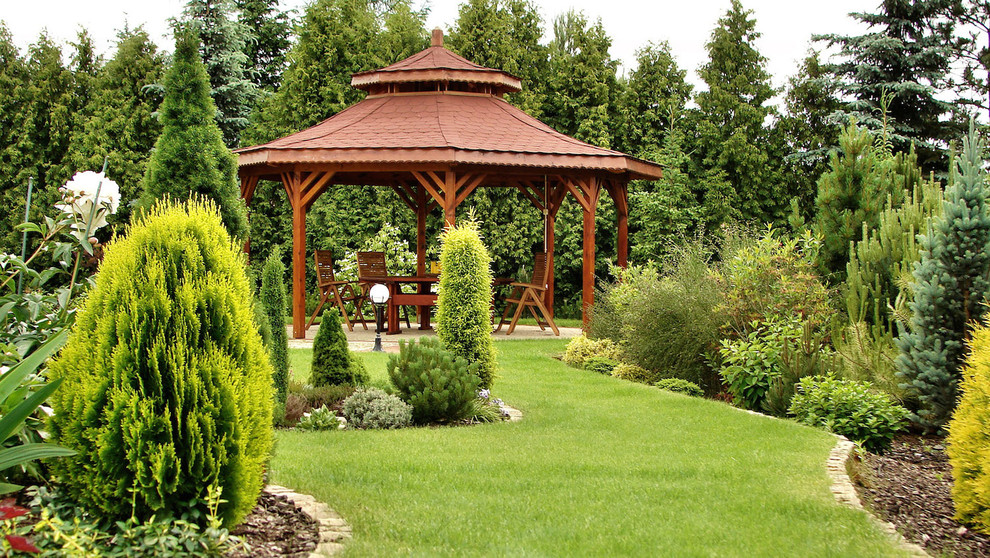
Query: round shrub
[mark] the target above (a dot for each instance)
(633, 373)
(331, 358)
(464, 299)
(580, 348)
(373, 408)
(167, 389)
(273, 297)
(438, 386)
(680, 386)
(602, 365)
(319, 420)
(752, 364)
(849, 408)
(969, 437)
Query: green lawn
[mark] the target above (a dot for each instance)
(597, 467)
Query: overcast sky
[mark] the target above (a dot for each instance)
(786, 25)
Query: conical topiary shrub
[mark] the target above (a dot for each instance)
(273, 298)
(331, 358)
(167, 390)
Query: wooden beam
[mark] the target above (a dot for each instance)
(248, 185)
(620, 196)
(432, 188)
(400, 191)
(315, 189)
(579, 191)
(466, 190)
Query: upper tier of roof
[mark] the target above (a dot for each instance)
(439, 65)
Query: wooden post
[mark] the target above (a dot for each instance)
(421, 203)
(590, 187)
(450, 199)
(620, 196)
(298, 271)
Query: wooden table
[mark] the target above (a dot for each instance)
(423, 299)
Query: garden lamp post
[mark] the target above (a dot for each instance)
(379, 296)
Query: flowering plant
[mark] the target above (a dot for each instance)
(89, 197)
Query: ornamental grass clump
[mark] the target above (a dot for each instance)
(167, 390)
(464, 297)
(969, 437)
(439, 386)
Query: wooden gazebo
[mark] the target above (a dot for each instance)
(434, 127)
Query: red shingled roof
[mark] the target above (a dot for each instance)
(443, 126)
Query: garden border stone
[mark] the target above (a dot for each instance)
(334, 529)
(845, 493)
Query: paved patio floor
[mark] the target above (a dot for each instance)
(364, 339)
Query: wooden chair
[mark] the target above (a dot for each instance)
(530, 295)
(370, 266)
(342, 291)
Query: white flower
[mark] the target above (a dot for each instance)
(79, 195)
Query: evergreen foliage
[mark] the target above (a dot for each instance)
(950, 288)
(463, 319)
(223, 43)
(439, 386)
(904, 57)
(266, 54)
(851, 195)
(969, 436)
(273, 299)
(730, 130)
(122, 126)
(972, 52)
(190, 158)
(43, 88)
(331, 358)
(373, 408)
(166, 386)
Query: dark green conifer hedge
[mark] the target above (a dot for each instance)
(273, 297)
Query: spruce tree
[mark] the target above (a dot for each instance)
(730, 126)
(190, 158)
(972, 52)
(122, 125)
(273, 299)
(223, 42)
(950, 290)
(904, 57)
(266, 54)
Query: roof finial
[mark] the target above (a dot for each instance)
(437, 38)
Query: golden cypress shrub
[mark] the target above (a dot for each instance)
(167, 390)
(969, 437)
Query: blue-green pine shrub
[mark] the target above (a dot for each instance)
(850, 408)
(167, 390)
(439, 386)
(950, 287)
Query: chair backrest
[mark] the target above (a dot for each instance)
(371, 265)
(539, 269)
(324, 267)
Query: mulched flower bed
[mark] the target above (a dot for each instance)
(276, 527)
(910, 486)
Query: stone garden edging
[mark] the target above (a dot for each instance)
(334, 530)
(845, 493)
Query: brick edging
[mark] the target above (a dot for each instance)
(845, 493)
(334, 530)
